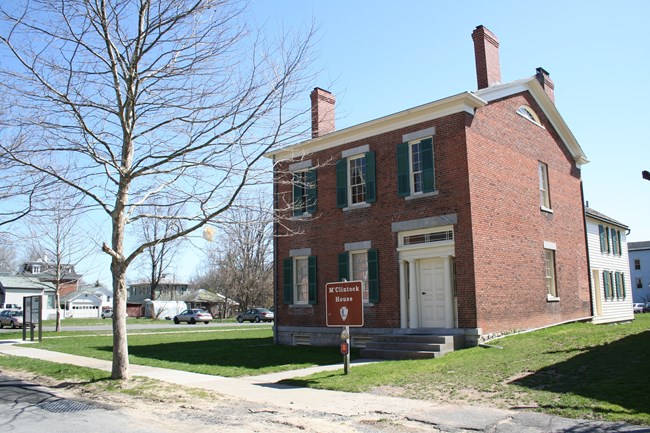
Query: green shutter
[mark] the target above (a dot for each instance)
(371, 183)
(297, 194)
(603, 242)
(428, 172)
(620, 246)
(342, 183)
(312, 191)
(344, 266)
(622, 285)
(311, 264)
(606, 284)
(403, 180)
(373, 277)
(614, 242)
(609, 246)
(288, 281)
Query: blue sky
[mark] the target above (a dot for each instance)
(380, 57)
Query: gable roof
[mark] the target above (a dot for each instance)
(604, 218)
(462, 102)
(20, 282)
(79, 294)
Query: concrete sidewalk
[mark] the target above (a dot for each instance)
(265, 390)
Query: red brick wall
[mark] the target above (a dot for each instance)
(500, 232)
(330, 228)
(509, 229)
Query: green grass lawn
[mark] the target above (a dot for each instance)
(226, 352)
(576, 370)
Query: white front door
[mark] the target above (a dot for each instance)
(434, 295)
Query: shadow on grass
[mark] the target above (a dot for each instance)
(615, 373)
(244, 353)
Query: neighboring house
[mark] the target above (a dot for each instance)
(610, 272)
(13, 288)
(81, 304)
(88, 298)
(168, 290)
(639, 253)
(46, 271)
(215, 303)
(462, 216)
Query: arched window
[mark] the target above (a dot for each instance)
(528, 113)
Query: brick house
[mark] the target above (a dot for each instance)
(463, 216)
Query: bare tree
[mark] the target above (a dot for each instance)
(56, 240)
(159, 256)
(135, 102)
(7, 253)
(242, 262)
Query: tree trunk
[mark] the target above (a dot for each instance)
(120, 369)
(57, 303)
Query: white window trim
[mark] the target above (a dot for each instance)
(549, 297)
(351, 267)
(420, 194)
(363, 203)
(542, 169)
(535, 119)
(295, 280)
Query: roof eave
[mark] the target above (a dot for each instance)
(462, 102)
(531, 85)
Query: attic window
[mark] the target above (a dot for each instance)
(528, 113)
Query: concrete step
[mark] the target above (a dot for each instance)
(399, 354)
(408, 346)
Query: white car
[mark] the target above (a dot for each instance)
(638, 307)
(108, 313)
(11, 318)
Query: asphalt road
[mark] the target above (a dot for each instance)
(27, 408)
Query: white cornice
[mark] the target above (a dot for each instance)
(463, 102)
(531, 85)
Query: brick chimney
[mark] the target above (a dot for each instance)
(486, 52)
(322, 112)
(546, 82)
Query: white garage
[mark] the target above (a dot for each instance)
(82, 305)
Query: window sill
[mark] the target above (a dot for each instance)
(545, 209)
(302, 216)
(550, 298)
(422, 195)
(356, 206)
(301, 306)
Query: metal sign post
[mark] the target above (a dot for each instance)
(32, 313)
(344, 307)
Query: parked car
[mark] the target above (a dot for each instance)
(108, 313)
(638, 307)
(192, 316)
(11, 318)
(14, 307)
(257, 315)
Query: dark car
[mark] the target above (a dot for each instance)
(257, 315)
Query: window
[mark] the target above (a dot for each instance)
(361, 266)
(415, 167)
(607, 283)
(36, 269)
(50, 301)
(610, 240)
(619, 281)
(616, 241)
(637, 264)
(544, 195)
(355, 180)
(304, 192)
(549, 264)
(528, 113)
(639, 283)
(299, 280)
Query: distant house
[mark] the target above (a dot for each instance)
(80, 304)
(639, 254)
(87, 301)
(46, 271)
(609, 265)
(13, 288)
(167, 290)
(216, 303)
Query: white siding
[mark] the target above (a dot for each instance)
(613, 310)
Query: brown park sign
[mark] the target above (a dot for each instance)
(344, 303)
